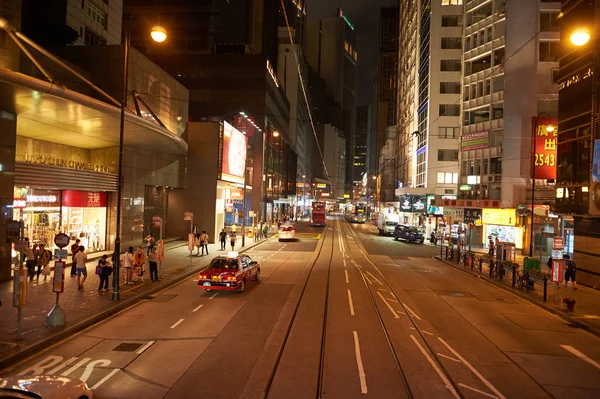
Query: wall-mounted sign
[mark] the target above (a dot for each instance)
(84, 199)
(234, 146)
(464, 187)
(406, 203)
(475, 141)
(325, 194)
(68, 163)
(501, 217)
(321, 185)
(545, 155)
(467, 203)
(419, 203)
(346, 196)
(596, 162)
(472, 215)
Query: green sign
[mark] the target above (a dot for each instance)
(348, 21)
(464, 187)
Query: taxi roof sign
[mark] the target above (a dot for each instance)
(232, 254)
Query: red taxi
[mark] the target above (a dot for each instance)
(229, 273)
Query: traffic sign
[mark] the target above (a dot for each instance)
(557, 270)
(188, 216)
(60, 253)
(559, 243)
(61, 240)
(157, 221)
(58, 283)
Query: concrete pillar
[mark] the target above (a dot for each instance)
(8, 141)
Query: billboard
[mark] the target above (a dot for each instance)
(545, 154)
(233, 154)
(475, 141)
(596, 162)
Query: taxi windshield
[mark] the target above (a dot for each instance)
(231, 264)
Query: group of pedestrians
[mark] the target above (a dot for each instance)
(36, 257)
(261, 231)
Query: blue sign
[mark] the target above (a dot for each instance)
(596, 162)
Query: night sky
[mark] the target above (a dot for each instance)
(365, 14)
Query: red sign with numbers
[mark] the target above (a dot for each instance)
(545, 156)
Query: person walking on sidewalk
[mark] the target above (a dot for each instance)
(570, 271)
(150, 241)
(197, 244)
(153, 262)
(43, 260)
(139, 262)
(204, 242)
(232, 240)
(30, 261)
(223, 238)
(74, 250)
(80, 259)
(128, 265)
(103, 273)
(265, 231)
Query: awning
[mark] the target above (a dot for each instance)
(56, 114)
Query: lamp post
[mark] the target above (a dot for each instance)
(549, 129)
(304, 196)
(159, 35)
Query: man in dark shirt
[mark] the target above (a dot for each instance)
(74, 250)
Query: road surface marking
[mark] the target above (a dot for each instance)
(198, 308)
(76, 366)
(361, 369)
(178, 323)
(388, 306)
(367, 278)
(350, 302)
(411, 312)
(214, 295)
(90, 368)
(466, 363)
(143, 348)
(344, 262)
(349, 237)
(60, 367)
(449, 358)
(346, 273)
(374, 278)
(436, 368)
(581, 355)
(477, 390)
(427, 332)
(102, 381)
(591, 316)
(8, 343)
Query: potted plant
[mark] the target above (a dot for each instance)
(570, 302)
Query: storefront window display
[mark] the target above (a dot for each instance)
(83, 216)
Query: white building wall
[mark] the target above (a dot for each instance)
(78, 19)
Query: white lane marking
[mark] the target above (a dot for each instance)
(473, 370)
(591, 316)
(60, 366)
(427, 332)
(361, 369)
(102, 381)
(436, 368)
(477, 390)
(350, 302)
(367, 278)
(581, 355)
(143, 348)
(214, 295)
(90, 368)
(346, 273)
(388, 306)
(198, 308)
(374, 278)
(449, 358)
(411, 312)
(178, 323)
(349, 237)
(344, 262)
(76, 366)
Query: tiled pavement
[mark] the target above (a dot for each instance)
(84, 307)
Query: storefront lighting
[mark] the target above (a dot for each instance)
(585, 189)
(560, 193)
(159, 34)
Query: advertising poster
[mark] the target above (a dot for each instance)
(475, 141)
(234, 154)
(406, 203)
(545, 155)
(596, 162)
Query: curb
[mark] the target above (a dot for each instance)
(8, 362)
(564, 316)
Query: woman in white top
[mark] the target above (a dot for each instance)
(128, 265)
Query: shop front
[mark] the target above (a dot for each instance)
(501, 223)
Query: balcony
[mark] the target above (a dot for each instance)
(478, 51)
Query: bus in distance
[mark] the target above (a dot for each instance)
(317, 214)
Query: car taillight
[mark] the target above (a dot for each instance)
(202, 277)
(230, 278)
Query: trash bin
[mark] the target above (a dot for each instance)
(531, 264)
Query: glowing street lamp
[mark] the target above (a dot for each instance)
(580, 37)
(158, 34)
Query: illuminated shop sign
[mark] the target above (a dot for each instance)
(545, 150)
(233, 155)
(501, 217)
(68, 163)
(321, 185)
(575, 79)
(272, 73)
(475, 141)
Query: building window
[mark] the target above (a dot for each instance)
(549, 22)
(91, 39)
(549, 51)
(449, 87)
(95, 14)
(448, 132)
(451, 43)
(450, 65)
(448, 156)
(447, 178)
(449, 110)
(451, 20)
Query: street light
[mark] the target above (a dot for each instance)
(275, 133)
(158, 34)
(304, 197)
(580, 37)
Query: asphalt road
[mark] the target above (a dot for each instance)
(339, 313)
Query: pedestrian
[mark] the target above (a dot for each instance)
(196, 231)
(491, 246)
(197, 244)
(153, 262)
(128, 265)
(150, 241)
(232, 240)
(265, 231)
(30, 261)
(433, 239)
(256, 233)
(204, 242)
(80, 259)
(74, 250)
(570, 271)
(549, 263)
(234, 229)
(223, 238)
(103, 273)
(139, 262)
(43, 260)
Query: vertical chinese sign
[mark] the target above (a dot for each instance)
(545, 155)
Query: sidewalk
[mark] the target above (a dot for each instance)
(586, 314)
(86, 307)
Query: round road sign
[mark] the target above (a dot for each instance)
(61, 240)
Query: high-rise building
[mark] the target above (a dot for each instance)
(361, 143)
(429, 103)
(578, 190)
(331, 49)
(509, 58)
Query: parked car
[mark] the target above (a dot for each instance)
(229, 273)
(44, 386)
(408, 234)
